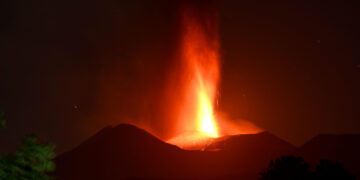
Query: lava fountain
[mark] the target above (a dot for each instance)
(200, 73)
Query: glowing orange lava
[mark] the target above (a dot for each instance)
(205, 119)
(200, 62)
(200, 53)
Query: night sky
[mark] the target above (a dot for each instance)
(70, 68)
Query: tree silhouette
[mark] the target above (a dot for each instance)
(32, 161)
(295, 168)
(328, 170)
(287, 168)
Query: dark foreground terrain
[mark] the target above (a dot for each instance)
(127, 152)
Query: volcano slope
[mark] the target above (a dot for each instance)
(128, 152)
(344, 148)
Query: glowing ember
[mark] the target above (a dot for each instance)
(205, 117)
(201, 56)
(193, 84)
(199, 50)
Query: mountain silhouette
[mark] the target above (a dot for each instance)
(344, 148)
(125, 151)
(128, 152)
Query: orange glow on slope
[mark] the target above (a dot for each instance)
(200, 76)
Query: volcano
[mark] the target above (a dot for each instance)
(125, 151)
(128, 152)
